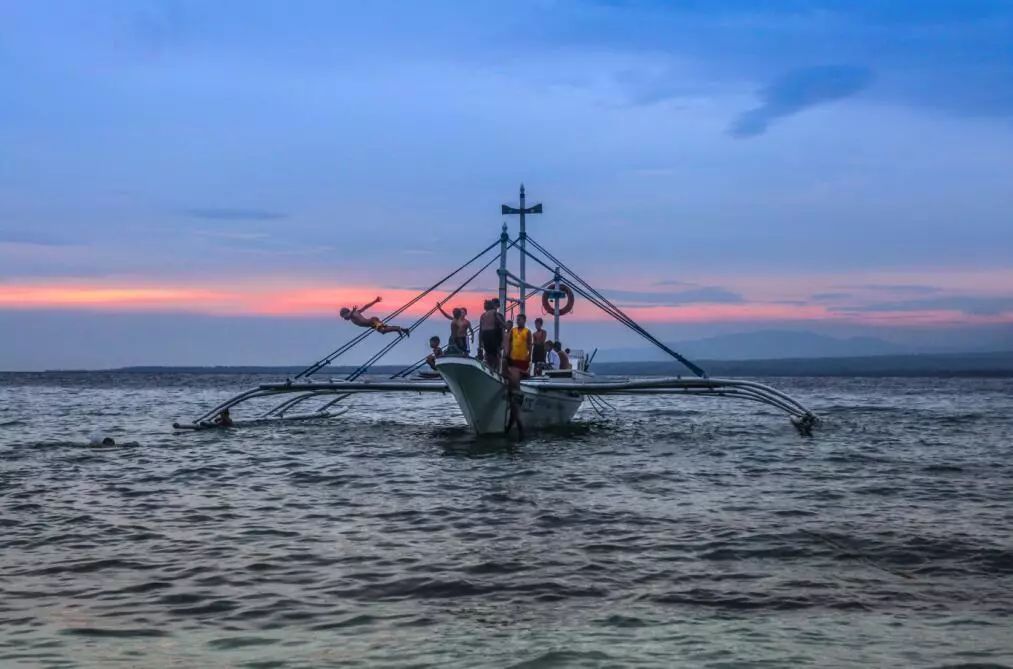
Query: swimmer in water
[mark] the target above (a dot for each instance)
(224, 419)
(99, 440)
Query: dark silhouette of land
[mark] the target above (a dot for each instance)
(997, 364)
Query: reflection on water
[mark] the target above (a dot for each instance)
(674, 531)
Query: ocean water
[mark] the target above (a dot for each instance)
(671, 532)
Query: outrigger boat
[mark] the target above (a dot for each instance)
(547, 399)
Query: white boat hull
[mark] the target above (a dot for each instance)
(482, 397)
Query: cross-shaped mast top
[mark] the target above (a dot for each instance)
(523, 236)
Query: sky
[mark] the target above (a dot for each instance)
(189, 182)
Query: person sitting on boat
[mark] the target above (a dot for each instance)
(548, 363)
(564, 357)
(355, 315)
(538, 339)
(490, 333)
(460, 327)
(520, 346)
(551, 357)
(435, 351)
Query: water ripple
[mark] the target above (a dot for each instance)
(669, 534)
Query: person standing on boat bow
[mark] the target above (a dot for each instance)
(355, 316)
(520, 343)
(490, 333)
(460, 327)
(538, 338)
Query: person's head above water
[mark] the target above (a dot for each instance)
(345, 312)
(108, 441)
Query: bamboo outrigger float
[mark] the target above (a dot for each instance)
(482, 393)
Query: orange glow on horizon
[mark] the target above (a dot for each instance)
(47, 297)
(303, 301)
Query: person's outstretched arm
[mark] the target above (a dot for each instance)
(439, 305)
(369, 304)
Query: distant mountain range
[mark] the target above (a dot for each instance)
(996, 364)
(760, 353)
(992, 364)
(762, 345)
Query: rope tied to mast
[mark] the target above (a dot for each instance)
(352, 343)
(592, 295)
(364, 367)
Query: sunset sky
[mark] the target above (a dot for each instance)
(208, 182)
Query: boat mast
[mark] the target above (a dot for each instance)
(523, 237)
(555, 302)
(503, 239)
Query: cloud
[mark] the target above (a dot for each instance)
(224, 214)
(644, 87)
(825, 297)
(915, 289)
(233, 236)
(798, 90)
(973, 305)
(676, 282)
(28, 237)
(702, 294)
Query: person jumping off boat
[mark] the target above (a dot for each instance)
(515, 397)
(355, 315)
(516, 402)
(519, 356)
(460, 327)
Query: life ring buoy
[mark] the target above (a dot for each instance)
(549, 307)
